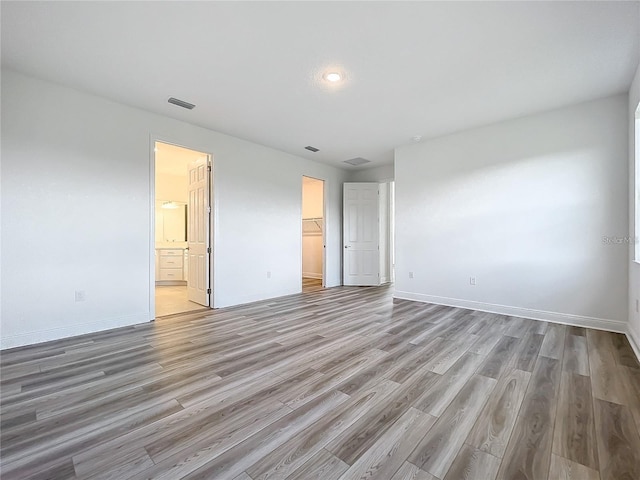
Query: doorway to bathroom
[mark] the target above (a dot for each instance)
(182, 239)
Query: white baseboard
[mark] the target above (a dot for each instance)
(255, 297)
(312, 275)
(634, 339)
(555, 317)
(31, 338)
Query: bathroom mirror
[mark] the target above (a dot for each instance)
(171, 223)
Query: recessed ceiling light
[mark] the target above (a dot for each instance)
(333, 77)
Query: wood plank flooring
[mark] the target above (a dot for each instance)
(341, 383)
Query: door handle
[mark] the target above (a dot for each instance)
(347, 246)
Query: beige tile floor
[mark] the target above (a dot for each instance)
(173, 299)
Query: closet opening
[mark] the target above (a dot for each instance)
(313, 235)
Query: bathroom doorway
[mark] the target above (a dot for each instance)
(182, 240)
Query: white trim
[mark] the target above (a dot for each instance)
(317, 276)
(213, 230)
(258, 297)
(152, 228)
(634, 340)
(57, 333)
(555, 317)
(324, 233)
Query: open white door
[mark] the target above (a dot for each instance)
(198, 232)
(360, 230)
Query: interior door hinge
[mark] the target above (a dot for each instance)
(208, 209)
(208, 290)
(208, 249)
(208, 168)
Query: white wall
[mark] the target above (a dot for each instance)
(75, 166)
(172, 187)
(383, 173)
(523, 207)
(634, 267)
(312, 198)
(312, 256)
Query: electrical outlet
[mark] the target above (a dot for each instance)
(472, 280)
(268, 274)
(81, 296)
(410, 274)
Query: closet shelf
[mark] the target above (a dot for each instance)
(312, 226)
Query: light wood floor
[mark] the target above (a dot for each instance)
(338, 383)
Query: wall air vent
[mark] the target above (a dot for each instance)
(357, 161)
(182, 103)
(311, 149)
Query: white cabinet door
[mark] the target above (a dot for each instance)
(198, 232)
(361, 262)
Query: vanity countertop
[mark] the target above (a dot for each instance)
(169, 245)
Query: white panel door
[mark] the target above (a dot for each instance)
(361, 262)
(198, 232)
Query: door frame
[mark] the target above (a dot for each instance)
(213, 217)
(324, 228)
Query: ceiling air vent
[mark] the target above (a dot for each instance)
(182, 103)
(312, 149)
(357, 161)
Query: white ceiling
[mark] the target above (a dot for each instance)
(254, 70)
